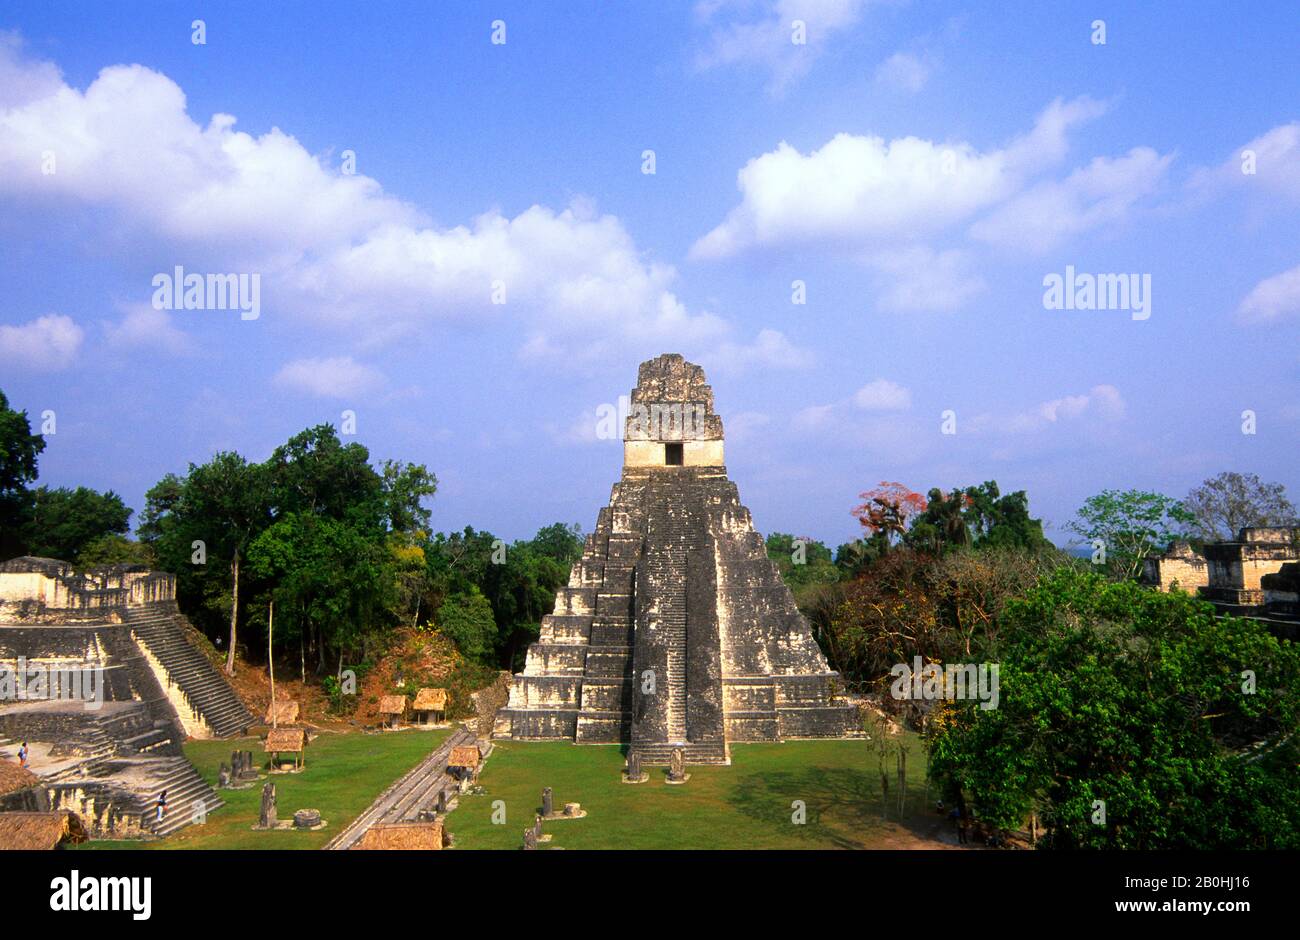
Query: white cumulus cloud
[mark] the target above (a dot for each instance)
(882, 395)
(1272, 298)
(1268, 164)
(869, 191)
(334, 377)
(1102, 402)
(330, 247)
(44, 344)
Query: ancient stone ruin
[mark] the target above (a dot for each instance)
(267, 816)
(1180, 566)
(676, 630)
(1247, 576)
(1237, 568)
(122, 687)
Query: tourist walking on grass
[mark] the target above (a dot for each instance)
(162, 805)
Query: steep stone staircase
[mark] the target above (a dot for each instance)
(666, 568)
(185, 788)
(672, 536)
(157, 628)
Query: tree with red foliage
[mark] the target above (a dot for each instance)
(887, 509)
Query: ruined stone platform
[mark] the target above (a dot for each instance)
(115, 630)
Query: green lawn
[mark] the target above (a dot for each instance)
(745, 806)
(345, 772)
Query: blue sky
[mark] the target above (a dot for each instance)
(920, 167)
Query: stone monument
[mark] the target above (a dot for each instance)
(675, 630)
(634, 773)
(266, 819)
(677, 767)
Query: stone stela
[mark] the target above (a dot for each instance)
(634, 773)
(267, 816)
(675, 630)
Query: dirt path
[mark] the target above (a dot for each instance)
(929, 835)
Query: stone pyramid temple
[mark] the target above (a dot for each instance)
(675, 630)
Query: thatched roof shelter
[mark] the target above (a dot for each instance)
(403, 836)
(466, 755)
(14, 777)
(430, 700)
(392, 705)
(288, 740)
(43, 831)
(283, 712)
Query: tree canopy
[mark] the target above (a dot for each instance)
(19, 452)
(56, 522)
(1131, 719)
(1225, 504)
(1129, 526)
(63, 522)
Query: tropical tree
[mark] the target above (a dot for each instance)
(1130, 526)
(559, 542)
(467, 619)
(886, 511)
(1002, 521)
(115, 550)
(801, 561)
(1225, 504)
(1131, 719)
(942, 525)
(19, 450)
(216, 509)
(329, 579)
(62, 522)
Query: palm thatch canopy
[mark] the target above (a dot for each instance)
(392, 705)
(287, 740)
(403, 836)
(43, 831)
(14, 777)
(430, 700)
(283, 712)
(464, 756)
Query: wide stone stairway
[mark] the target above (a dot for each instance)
(158, 629)
(189, 796)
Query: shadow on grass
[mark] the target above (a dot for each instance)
(841, 804)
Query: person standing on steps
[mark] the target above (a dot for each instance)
(22, 755)
(162, 805)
